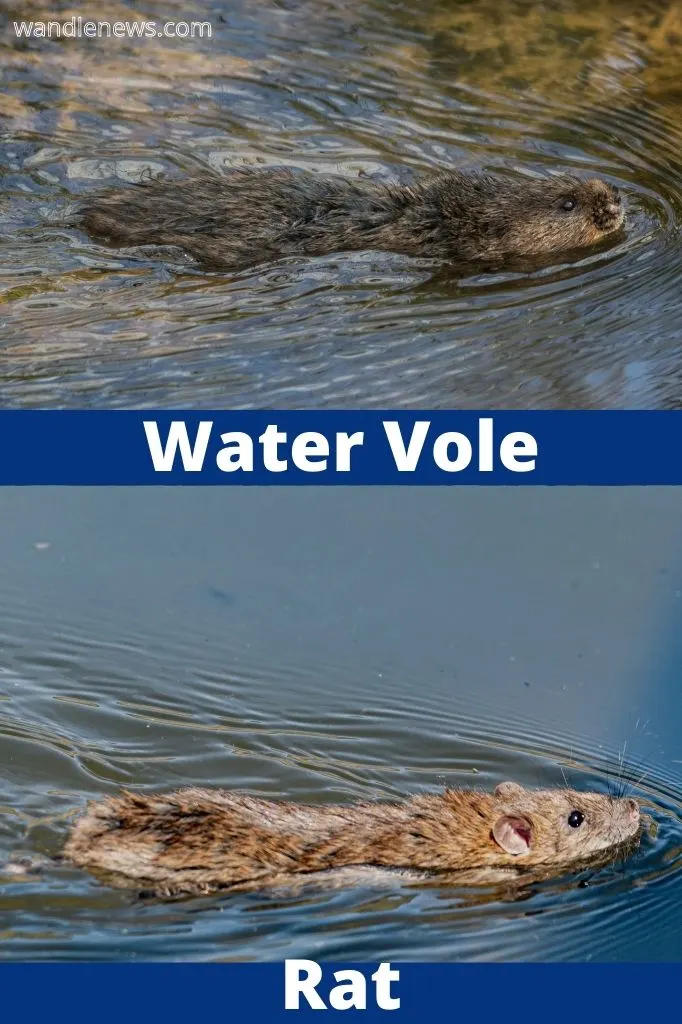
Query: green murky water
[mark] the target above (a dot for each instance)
(354, 86)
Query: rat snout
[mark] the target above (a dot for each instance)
(632, 808)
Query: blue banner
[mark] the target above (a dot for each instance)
(480, 993)
(326, 447)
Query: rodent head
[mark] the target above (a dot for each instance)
(540, 826)
(537, 217)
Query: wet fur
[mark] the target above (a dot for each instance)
(248, 216)
(200, 840)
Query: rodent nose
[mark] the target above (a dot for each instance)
(633, 809)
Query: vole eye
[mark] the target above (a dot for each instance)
(575, 819)
(568, 205)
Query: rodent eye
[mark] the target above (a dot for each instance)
(575, 819)
(568, 205)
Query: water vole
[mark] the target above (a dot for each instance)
(201, 840)
(250, 216)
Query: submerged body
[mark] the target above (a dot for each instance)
(201, 840)
(251, 216)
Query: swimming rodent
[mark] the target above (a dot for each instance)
(201, 840)
(250, 216)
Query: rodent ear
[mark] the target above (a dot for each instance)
(513, 834)
(508, 789)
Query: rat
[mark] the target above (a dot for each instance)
(195, 841)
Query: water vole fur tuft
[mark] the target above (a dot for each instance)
(249, 216)
(201, 840)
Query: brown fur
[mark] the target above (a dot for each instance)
(250, 216)
(199, 840)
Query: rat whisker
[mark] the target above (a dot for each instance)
(561, 768)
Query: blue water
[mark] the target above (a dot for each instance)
(322, 646)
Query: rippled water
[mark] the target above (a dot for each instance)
(343, 85)
(329, 646)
